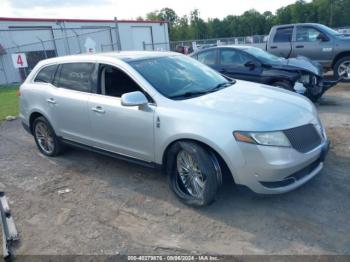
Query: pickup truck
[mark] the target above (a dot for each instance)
(315, 41)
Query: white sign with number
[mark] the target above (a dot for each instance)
(19, 60)
(90, 45)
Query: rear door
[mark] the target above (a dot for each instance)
(280, 45)
(232, 62)
(308, 44)
(69, 101)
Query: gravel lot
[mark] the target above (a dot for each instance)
(119, 208)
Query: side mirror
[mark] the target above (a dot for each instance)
(251, 64)
(136, 98)
(322, 37)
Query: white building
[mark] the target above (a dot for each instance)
(42, 38)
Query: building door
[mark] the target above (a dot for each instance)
(140, 35)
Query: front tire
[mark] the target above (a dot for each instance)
(342, 68)
(193, 172)
(314, 98)
(284, 85)
(45, 137)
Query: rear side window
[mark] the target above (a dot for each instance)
(207, 57)
(283, 35)
(78, 76)
(46, 74)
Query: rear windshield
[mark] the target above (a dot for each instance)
(173, 76)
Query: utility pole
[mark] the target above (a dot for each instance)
(43, 45)
(119, 48)
(331, 13)
(78, 40)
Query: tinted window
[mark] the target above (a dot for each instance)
(115, 82)
(263, 56)
(46, 74)
(233, 57)
(174, 76)
(207, 57)
(307, 34)
(77, 76)
(283, 35)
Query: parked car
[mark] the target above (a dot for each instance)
(163, 109)
(315, 41)
(253, 64)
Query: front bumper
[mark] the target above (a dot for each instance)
(26, 127)
(317, 89)
(274, 170)
(327, 84)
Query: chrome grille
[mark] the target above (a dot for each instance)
(303, 138)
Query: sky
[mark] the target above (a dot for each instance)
(131, 9)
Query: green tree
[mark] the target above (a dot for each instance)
(334, 13)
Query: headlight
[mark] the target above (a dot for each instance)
(276, 138)
(305, 79)
(308, 79)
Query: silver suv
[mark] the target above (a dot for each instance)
(167, 110)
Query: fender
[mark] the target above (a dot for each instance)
(160, 154)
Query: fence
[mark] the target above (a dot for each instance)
(189, 45)
(156, 46)
(203, 43)
(42, 43)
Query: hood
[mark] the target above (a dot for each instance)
(344, 37)
(300, 63)
(255, 107)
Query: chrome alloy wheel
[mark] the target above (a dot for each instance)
(190, 174)
(344, 70)
(44, 137)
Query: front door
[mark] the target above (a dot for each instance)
(232, 62)
(307, 43)
(128, 131)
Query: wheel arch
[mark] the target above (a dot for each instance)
(223, 165)
(33, 115)
(340, 56)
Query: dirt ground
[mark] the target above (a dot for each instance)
(119, 208)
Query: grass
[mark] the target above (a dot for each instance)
(9, 102)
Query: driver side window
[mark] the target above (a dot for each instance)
(307, 34)
(233, 57)
(114, 82)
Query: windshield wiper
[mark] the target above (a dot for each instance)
(198, 93)
(190, 94)
(222, 85)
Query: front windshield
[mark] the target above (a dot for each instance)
(179, 77)
(263, 56)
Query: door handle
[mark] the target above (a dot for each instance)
(299, 46)
(51, 100)
(273, 47)
(98, 109)
(222, 70)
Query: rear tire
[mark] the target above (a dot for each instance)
(45, 137)
(342, 65)
(193, 173)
